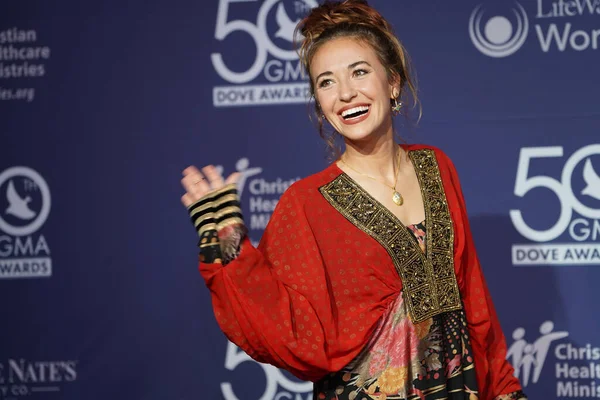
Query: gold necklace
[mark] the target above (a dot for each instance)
(396, 196)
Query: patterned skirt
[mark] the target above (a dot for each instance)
(430, 360)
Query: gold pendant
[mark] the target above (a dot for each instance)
(397, 198)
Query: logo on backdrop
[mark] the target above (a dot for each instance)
(21, 57)
(273, 74)
(24, 208)
(528, 358)
(559, 25)
(258, 195)
(20, 378)
(278, 386)
(576, 222)
(498, 38)
(576, 367)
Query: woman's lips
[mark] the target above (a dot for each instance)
(355, 120)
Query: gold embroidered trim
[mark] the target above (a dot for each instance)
(428, 280)
(223, 224)
(203, 218)
(225, 199)
(209, 244)
(229, 222)
(200, 209)
(214, 203)
(216, 193)
(207, 227)
(227, 210)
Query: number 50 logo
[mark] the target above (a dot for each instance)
(259, 34)
(562, 189)
(273, 376)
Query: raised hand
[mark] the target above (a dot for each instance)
(200, 183)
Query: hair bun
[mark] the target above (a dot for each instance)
(331, 14)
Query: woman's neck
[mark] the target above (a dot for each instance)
(377, 158)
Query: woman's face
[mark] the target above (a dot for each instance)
(352, 87)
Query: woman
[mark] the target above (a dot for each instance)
(366, 280)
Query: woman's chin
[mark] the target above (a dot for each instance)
(363, 136)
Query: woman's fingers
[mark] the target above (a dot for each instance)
(194, 182)
(214, 177)
(199, 183)
(233, 178)
(187, 200)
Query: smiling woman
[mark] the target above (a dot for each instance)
(379, 47)
(352, 86)
(366, 280)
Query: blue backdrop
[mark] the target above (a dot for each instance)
(103, 104)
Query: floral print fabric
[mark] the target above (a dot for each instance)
(429, 360)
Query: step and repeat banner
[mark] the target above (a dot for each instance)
(102, 105)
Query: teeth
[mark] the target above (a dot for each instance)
(354, 110)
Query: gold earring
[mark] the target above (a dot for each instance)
(397, 106)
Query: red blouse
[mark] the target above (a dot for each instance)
(311, 295)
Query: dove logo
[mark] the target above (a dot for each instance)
(592, 179)
(275, 75)
(578, 221)
(19, 205)
(286, 25)
(24, 208)
(499, 37)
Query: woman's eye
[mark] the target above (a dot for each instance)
(360, 72)
(324, 83)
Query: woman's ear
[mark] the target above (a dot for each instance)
(394, 86)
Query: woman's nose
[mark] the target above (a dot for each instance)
(346, 91)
